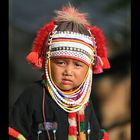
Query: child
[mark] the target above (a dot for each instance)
(67, 50)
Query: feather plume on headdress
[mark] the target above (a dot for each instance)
(69, 13)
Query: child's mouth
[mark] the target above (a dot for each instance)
(67, 81)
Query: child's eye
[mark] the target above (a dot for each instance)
(60, 62)
(78, 65)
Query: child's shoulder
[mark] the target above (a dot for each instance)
(34, 86)
(32, 91)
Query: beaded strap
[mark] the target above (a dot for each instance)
(72, 130)
(67, 101)
(81, 121)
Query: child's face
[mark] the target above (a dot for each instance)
(67, 73)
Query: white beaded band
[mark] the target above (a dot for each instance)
(73, 45)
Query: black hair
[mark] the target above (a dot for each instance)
(72, 26)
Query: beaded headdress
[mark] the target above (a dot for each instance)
(88, 48)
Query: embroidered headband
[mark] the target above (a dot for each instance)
(72, 44)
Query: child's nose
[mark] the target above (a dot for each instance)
(68, 70)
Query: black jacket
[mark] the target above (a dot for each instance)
(27, 114)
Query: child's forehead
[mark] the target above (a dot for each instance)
(66, 59)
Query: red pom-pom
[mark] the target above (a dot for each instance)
(33, 58)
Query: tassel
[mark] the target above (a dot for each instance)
(105, 135)
(102, 63)
(72, 138)
(15, 134)
(81, 121)
(72, 130)
(106, 64)
(98, 67)
(97, 70)
(34, 59)
(82, 136)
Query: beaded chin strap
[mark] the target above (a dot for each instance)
(66, 100)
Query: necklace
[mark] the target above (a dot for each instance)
(73, 101)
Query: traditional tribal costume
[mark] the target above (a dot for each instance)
(53, 42)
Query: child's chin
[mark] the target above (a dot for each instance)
(68, 89)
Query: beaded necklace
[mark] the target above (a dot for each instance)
(73, 101)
